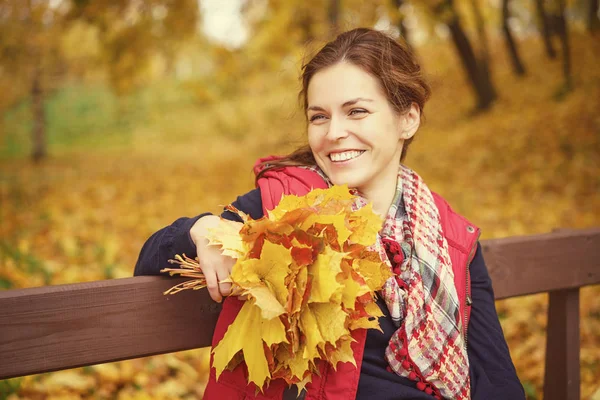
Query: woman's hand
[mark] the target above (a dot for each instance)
(215, 266)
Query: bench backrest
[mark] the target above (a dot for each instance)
(58, 327)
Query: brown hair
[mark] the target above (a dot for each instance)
(391, 62)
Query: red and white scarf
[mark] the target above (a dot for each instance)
(429, 342)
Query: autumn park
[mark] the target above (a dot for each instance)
(118, 117)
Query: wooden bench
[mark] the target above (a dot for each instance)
(58, 327)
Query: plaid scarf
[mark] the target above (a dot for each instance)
(428, 346)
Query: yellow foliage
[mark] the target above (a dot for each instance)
(528, 166)
(246, 334)
(296, 275)
(228, 232)
(324, 272)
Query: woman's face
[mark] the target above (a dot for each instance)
(354, 133)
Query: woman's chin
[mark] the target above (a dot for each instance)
(351, 182)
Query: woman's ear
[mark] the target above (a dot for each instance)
(410, 122)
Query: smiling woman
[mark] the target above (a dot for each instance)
(440, 336)
(355, 140)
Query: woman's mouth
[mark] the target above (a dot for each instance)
(345, 155)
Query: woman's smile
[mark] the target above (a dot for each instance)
(345, 156)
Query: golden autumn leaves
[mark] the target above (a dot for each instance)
(310, 279)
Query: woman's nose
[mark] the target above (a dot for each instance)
(337, 129)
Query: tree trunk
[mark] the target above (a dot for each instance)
(333, 15)
(305, 22)
(38, 137)
(482, 36)
(400, 23)
(479, 79)
(563, 33)
(546, 34)
(483, 60)
(518, 67)
(593, 20)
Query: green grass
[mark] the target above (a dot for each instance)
(25, 260)
(9, 386)
(81, 116)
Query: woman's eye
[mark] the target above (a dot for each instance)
(358, 111)
(316, 117)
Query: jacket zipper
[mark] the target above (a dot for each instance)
(468, 300)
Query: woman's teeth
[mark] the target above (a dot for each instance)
(346, 155)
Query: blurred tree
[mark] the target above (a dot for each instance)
(517, 64)
(476, 69)
(307, 21)
(401, 21)
(593, 20)
(545, 28)
(481, 33)
(30, 51)
(484, 54)
(292, 29)
(556, 16)
(333, 15)
(130, 33)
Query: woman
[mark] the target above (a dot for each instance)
(363, 96)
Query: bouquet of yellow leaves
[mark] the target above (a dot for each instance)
(310, 278)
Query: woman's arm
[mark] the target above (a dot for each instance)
(493, 375)
(164, 244)
(177, 239)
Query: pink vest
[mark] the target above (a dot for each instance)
(342, 383)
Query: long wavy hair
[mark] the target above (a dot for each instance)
(391, 62)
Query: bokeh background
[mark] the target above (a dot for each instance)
(119, 116)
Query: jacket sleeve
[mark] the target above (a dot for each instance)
(176, 239)
(493, 375)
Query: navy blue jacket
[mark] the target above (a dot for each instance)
(493, 375)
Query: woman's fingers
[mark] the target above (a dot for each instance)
(224, 288)
(215, 266)
(223, 273)
(212, 284)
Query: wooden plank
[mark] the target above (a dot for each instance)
(524, 265)
(59, 327)
(561, 377)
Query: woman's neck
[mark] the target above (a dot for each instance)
(381, 196)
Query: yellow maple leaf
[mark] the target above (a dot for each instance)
(298, 365)
(364, 323)
(271, 268)
(365, 225)
(374, 272)
(245, 334)
(373, 309)
(324, 272)
(273, 332)
(309, 326)
(332, 200)
(342, 353)
(330, 320)
(349, 290)
(338, 221)
(265, 300)
(226, 234)
(286, 205)
(255, 229)
(305, 381)
(297, 289)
